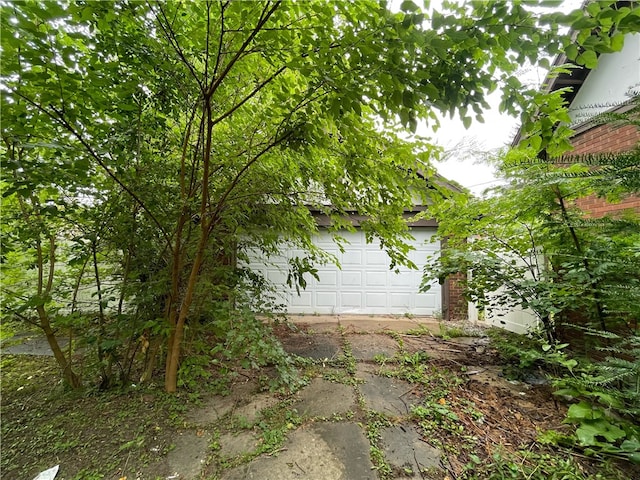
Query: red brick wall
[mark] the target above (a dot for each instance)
(606, 139)
(458, 307)
(595, 207)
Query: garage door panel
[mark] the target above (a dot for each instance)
(325, 242)
(276, 276)
(419, 257)
(376, 299)
(376, 258)
(427, 300)
(353, 257)
(402, 279)
(351, 279)
(365, 284)
(400, 300)
(328, 279)
(376, 279)
(305, 299)
(351, 300)
(296, 254)
(326, 299)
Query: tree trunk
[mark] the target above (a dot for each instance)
(177, 333)
(173, 359)
(68, 374)
(44, 290)
(152, 356)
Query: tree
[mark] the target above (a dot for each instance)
(209, 125)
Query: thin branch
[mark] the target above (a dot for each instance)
(59, 118)
(185, 146)
(52, 263)
(593, 282)
(206, 51)
(171, 36)
(264, 17)
(223, 7)
(242, 171)
(250, 96)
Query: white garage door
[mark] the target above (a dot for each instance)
(364, 285)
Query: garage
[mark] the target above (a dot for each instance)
(365, 284)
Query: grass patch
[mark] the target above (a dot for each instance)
(373, 429)
(91, 434)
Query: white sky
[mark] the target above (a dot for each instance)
(464, 148)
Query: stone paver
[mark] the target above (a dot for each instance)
(236, 444)
(407, 453)
(389, 396)
(317, 347)
(306, 455)
(349, 445)
(322, 398)
(366, 347)
(251, 411)
(187, 458)
(212, 409)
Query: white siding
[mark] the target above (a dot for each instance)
(514, 320)
(609, 84)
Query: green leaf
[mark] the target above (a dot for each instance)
(571, 51)
(408, 6)
(407, 98)
(634, 457)
(404, 116)
(590, 430)
(589, 59)
(581, 410)
(617, 41)
(535, 142)
(632, 445)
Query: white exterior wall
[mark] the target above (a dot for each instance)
(514, 320)
(610, 83)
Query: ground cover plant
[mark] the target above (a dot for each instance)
(45, 424)
(530, 246)
(490, 429)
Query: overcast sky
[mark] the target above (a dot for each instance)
(464, 148)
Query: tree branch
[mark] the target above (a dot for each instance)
(223, 7)
(59, 118)
(264, 17)
(250, 96)
(242, 171)
(171, 36)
